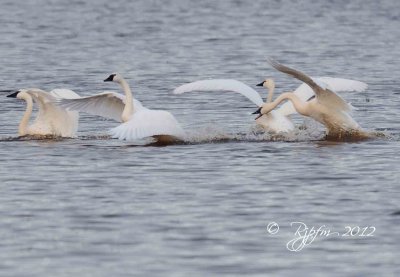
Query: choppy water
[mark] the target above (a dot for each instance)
(93, 206)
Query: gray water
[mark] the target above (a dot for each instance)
(93, 206)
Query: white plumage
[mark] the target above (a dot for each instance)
(106, 104)
(277, 120)
(327, 107)
(304, 92)
(138, 121)
(147, 123)
(222, 85)
(51, 119)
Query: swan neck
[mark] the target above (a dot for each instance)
(299, 105)
(128, 109)
(23, 125)
(271, 90)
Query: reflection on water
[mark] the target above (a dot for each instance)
(96, 206)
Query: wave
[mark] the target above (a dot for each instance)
(213, 134)
(216, 134)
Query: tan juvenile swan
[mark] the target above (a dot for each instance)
(327, 107)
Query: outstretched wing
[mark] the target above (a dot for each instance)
(340, 84)
(60, 121)
(147, 123)
(222, 85)
(324, 95)
(38, 95)
(64, 93)
(45, 101)
(304, 91)
(107, 104)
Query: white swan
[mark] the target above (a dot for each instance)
(51, 119)
(326, 107)
(277, 120)
(138, 121)
(274, 122)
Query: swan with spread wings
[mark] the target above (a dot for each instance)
(138, 122)
(276, 121)
(51, 119)
(326, 107)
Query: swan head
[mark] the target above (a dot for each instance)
(267, 83)
(264, 109)
(25, 93)
(20, 94)
(115, 77)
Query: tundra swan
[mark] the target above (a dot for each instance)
(138, 122)
(326, 107)
(277, 120)
(51, 119)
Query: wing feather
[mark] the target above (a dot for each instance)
(56, 119)
(324, 95)
(304, 92)
(64, 93)
(222, 85)
(340, 84)
(107, 104)
(147, 123)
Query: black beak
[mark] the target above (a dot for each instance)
(13, 95)
(260, 84)
(311, 98)
(109, 78)
(259, 113)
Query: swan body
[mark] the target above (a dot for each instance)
(138, 122)
(275, 122)
(278, 120)
(51, 119)
(326, 107)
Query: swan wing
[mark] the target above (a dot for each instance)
(41, 98)
(340, 84)
(275, 122)
(64, 93)
(305, 93)
(52, 118)
(107, 104)
(146, 123)
(67, 121)
(325, 96)
(39, 95)
(223, 85)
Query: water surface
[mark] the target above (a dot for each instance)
(93, 206)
